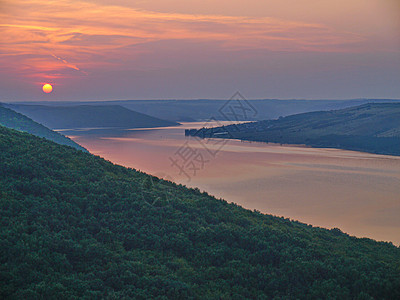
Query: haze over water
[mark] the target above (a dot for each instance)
(356, 192)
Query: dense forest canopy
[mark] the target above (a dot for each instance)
(370, 127)
(75, 225)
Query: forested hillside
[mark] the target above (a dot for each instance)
(371, 128)
(75, 225)
(14, 120)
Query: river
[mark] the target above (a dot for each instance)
(354, 191)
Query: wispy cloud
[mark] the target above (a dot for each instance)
(74, 67)
(61, 36)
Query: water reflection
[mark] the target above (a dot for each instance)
(357, 192)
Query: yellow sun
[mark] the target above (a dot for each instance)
(47, 88)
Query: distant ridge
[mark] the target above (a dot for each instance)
(204, 109)
(373, 127)
(89, 116)
(14, 120)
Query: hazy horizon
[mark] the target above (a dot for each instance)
(194, 99)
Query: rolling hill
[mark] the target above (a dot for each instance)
(371, 128)
(14, 120)
(89, 116)
(204, 109)
(76, 226)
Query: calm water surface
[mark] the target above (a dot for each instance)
(356, 192)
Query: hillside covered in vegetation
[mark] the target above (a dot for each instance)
(14, 120)
(89, 116)
(75, 225)
(371, 128)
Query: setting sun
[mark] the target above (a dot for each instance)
(47, 88)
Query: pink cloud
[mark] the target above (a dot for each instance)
(88, 35)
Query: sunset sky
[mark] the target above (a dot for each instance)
(170, 49)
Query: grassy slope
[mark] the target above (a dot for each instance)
(14, 120)
(371, 127)
(75, 225)
(89, 116)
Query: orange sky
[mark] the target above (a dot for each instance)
(100, 49)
